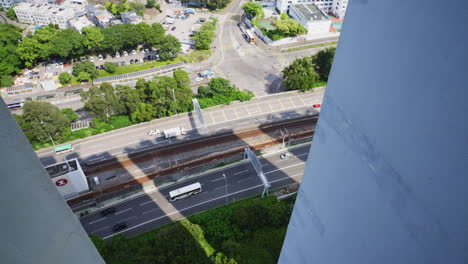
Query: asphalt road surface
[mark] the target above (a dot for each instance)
(218, 119)
(153, 209)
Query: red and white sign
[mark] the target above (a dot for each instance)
(61, 182)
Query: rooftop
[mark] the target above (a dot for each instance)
(62, 168)
(311, 12)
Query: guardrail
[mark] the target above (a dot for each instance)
(138, 74)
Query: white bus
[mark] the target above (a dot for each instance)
(250, 37)
(185, 192)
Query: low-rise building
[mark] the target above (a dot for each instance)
(310, 17)
(43, 14)
(99, 16)
(69, 178)
(9, 3)
(337, 7)
(79, 23)
(130, 17)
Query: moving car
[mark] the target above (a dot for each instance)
(119, 226)
(108, 211)
(316, 106)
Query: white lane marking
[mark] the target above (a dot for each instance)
(186, 208)
(128, 218)
(265, 164)
(302, 154)
(152, 201)
(158, 190)
(220, 187)
(302, 163)
(240, 172)
(90, 223)
(244, 180)
(100, 229)
(151, 211)
(218, 179)
(124, 211)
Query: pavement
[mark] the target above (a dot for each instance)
(153, 209)
(218, 119)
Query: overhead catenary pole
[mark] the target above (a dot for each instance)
(258, 168)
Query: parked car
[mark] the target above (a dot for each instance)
(316, 106)
(125, 53)
(133, 52)
(285, 155)
(91, 59)
(131, 61)
(117, 54)
(108, 211)
(173, 28)
(100, 57)
(142, 50)
(119, 226)
(153, 132)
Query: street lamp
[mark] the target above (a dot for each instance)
(42, 125)
(225, 184)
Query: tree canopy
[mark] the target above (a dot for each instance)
(323, 61)
(300, 75)
(253, 9)
(41, 120)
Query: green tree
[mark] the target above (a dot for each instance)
(138, 7)
(28, 51)
(253, 9)
(129, 97)
(323, 61)
(169, 48)
(158, 7)
(100, 245)
(83, 77)
(44, 120)
(92, 37)
(119, 37)
(144, 112)
(110, 67)
(87, 67)
(102, 101)
(70, 114)
(10, 63)
(203, 39)
(300, 75)
(150, 3)
(65, 78)
(11, 14)
(6, 81)
(68, 43)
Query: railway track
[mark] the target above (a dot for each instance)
(190, 146)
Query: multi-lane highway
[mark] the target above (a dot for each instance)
(153, 209)
(225, 118)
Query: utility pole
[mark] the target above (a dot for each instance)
(225, 184)
(173, 96)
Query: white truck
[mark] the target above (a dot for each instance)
(174, 132)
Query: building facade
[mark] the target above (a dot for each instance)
(100, 17)
(43, 14)
(311, 18)
(386, 177)
(9, 3)
(68, 178)
(337, 7)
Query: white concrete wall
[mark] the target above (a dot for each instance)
(318, 27)
(386, 180)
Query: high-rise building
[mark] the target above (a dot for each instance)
(37, 224)
(9, 3)
(387, 177)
